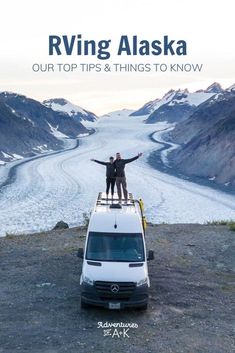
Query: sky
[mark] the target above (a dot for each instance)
(206, 26)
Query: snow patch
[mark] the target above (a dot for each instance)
(68, 108)
(11, 157)
(41, 148)
(17, 156)
(31, 122)
(195, 98)
(6, 155)
(83, 135)
(64, 106)
(56, 132)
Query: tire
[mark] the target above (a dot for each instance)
(84, 305)
(143, 307)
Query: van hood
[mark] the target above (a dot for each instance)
(115, 272)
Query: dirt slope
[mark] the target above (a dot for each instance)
(191, 298)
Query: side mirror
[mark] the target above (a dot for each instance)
(150, 255)
(80, 253)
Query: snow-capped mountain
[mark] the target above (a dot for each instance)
(63, 105)
(179, 107)
(176, 105)
(151, 106)
(117, 113)
(28, 127)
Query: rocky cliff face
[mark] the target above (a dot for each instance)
(19, 136)
(171, 113)
(207, 141)
(205, 116)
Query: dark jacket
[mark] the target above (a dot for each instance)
(110, 168)
(120, 165)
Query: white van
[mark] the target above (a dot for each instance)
(115, 272)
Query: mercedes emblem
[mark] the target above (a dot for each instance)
(114, 288)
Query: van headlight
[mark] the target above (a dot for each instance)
(142, 282)
(87, 280)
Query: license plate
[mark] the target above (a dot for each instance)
(114, 306)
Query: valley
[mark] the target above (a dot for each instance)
(64, 186)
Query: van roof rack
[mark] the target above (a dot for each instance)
(114, 201)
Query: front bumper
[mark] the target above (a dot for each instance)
(136, 297)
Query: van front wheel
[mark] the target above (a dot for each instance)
(143, 307)
(83, 304)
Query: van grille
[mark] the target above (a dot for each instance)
(124, 292)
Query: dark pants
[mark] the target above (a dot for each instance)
(121, 185)
(110, 182)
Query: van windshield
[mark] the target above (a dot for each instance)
(115, 247)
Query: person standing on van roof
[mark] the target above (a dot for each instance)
(110, 174)
(120, 174)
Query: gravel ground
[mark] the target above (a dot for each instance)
(191, 298)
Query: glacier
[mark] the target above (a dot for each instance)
(64, 186)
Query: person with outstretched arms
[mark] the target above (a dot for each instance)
(120, 175)
(110, 174)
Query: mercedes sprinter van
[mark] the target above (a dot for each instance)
(114, 271)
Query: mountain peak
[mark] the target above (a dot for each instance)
(177, 97)
(214, 88)
(10, 94)
(60, 101)
(63, 105)
(169, 93)
(231, 88)
(183, 91)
